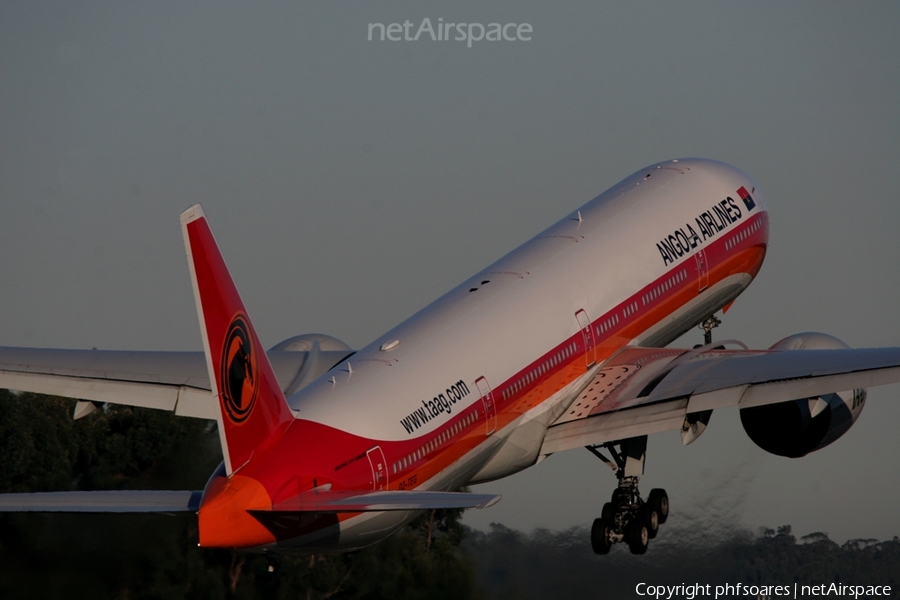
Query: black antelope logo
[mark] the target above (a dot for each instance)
(240, 376)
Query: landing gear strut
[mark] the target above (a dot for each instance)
(626, 517)
(707, 326)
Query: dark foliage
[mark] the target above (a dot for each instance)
(435, 557)
(548, 564)
(156, 556)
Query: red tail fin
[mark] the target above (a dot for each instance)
(253, 412)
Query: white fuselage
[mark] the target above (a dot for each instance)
(464, 390)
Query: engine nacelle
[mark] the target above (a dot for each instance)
(798, 427)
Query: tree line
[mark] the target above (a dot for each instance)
(435, 557)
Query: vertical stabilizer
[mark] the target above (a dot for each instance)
(253, 412)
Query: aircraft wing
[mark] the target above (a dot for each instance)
(174, 381)
(640, 391)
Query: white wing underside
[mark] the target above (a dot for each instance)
(173, 381)
(641, 391)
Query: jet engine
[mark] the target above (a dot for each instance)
(306, 342)
(798, 427)
(322, 353)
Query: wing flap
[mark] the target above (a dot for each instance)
(117, 501)
(618, 425)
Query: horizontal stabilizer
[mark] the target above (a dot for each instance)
(354, 501)
(115, 501)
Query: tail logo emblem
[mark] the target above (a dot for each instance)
(240, 375)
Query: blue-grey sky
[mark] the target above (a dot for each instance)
(350, 182)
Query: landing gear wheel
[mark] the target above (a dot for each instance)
(620, 497)
(659, 501)
(638, 538)
(650, 518)
(600, 536)
(608, 513)
(627, 517)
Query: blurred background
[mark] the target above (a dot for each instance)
(351, 182)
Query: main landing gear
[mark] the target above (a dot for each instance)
(626, 517)
(707, 326)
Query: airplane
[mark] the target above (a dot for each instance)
(560, 344)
